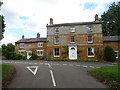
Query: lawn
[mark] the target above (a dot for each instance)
(110, 75)
(7, 72)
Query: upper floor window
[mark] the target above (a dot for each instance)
(40, 52)
(72, 39)
(90, 52)
(57, 40)
(116, 54)
(56, 30)
(90, 39)
(40, 44)
(89, 28)
(56, 52)
(21, 45)
(72, 29)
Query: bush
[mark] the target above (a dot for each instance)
(34, 57)
(20, 56)
(10, 55)
(15, 56)
(109, 54)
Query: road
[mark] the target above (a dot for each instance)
(54, 74)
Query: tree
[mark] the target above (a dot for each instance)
(2, 24)
(111, 20)
(109, 54)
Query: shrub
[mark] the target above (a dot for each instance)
(10, 55)
(109, 54)
(20, 56)
(34, 57)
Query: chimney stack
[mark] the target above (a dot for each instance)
(96, 17)
(38, 35)
(23, 36)
(51, 21)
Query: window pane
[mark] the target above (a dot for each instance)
(56, 51)
(72, 39)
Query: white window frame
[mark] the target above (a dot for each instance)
(72, 29)
(55, 52)
(55, 40)
(71, 41)
(40, 44)
(56, 30)
(21, 51)
(117, 54)
(92, 52)
(21, 45)
(89, 28)
(40, 51)
(91, 39)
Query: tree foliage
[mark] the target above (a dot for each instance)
(2, 24)
(111, 20)
(109, 54)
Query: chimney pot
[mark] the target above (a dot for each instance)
(96, 17)
(23, 36)
(51, 21)
(38, 35)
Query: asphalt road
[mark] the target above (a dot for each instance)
(54, 74)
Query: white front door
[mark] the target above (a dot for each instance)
(72, 52)
(29, 54)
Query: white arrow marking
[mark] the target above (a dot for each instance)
(33, 72)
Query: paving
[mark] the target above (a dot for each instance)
(54, 74)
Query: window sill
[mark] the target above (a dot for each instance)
(56, 56)
(90, 56)
(72, 42)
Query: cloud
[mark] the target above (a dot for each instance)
(32, 15)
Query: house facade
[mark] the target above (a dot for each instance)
(28, 46)
(81, 40)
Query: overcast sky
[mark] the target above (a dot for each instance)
(28, 17)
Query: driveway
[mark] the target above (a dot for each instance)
(54, 74)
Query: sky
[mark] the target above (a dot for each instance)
(28, 17)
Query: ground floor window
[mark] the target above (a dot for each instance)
(116, 54)
(40, 52)
(56, 52)
(90, 51)
(22, 51)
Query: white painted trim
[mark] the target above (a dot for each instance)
(54, 52)
(70, 52)
(93, 52)
(41, 54)
(40, 43)
(117, 54)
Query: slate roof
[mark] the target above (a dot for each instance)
(29, 40)
(76, 23)
(111, 38)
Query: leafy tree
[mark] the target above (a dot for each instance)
(109, 54)
(111, 20)
(3, 49)
(2, 24)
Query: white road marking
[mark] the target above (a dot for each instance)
(33, 72)
(41, 63)
(85, 66)
(64, 64)
(53, 80)
(49, 65)
(92, 67)
(77, 65)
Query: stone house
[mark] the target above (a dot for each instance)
(80, 40)
(28, 46)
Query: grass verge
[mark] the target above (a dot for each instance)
(108, 75)
(7, 74)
